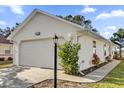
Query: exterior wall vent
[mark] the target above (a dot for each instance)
(37, 33)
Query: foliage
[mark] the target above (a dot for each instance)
(2, 58)
(116, 56)
(80, 20)
(118, 38)
(7, 31)
(10, 58)
(95, 60)
(108, 58)
(68, 53)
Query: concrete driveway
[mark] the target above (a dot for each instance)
(21, 77)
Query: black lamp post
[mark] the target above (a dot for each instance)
(55, 39)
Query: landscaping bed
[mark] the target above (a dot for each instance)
(60, 84)
(86, 71)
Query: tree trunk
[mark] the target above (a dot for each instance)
(120, 52)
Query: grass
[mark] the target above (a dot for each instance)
(114, 79)
(6, 64)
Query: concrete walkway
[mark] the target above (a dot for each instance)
(94, 76)
(100, 73)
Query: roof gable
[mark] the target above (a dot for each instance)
(55, 17)
(32, 15)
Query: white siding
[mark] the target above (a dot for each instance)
(86, 52)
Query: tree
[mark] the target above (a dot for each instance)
(87, 25)
(7, 31)
(118, 38)
(94, 30)
(69, 18)
(80, 20)
(68, 53)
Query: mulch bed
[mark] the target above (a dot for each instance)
(89, 70)
(60, 84)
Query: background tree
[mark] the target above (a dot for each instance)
(80, 20)
(118, 38)
(7, 31)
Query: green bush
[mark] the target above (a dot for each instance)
(2, 59)
(116, 56)
(10, 58)
(68, 53)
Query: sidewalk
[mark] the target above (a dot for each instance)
(94, 76)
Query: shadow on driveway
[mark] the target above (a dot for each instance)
(8, 77)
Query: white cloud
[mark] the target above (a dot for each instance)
(2, 22)
(17, 9)
(113, 13)
(108, 31)
(88, 9)
(111, 28)
(106, 34)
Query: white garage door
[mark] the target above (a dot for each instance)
(39, 53)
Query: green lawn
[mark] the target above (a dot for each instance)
(6, 64)
(114, 79)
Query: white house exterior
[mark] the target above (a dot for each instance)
(38, 50)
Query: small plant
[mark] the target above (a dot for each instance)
(68, 53)
(108, 58)
(116, 56)
(95, 60)
(10, 58)
(2, 59)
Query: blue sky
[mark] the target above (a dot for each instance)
(106, 19)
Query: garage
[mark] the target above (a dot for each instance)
(39, 53)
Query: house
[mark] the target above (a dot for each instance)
(33, 41)
(5, 48)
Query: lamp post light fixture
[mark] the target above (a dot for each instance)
(55, 40)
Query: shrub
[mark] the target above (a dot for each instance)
(2, 59)
(10, 58)
(108, 58)
(68, 53)
(95, 60)
(116, 56)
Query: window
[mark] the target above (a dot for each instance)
(7, 50)
(104, 49)
(94, 47)
(109, 50)
(77, 39)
